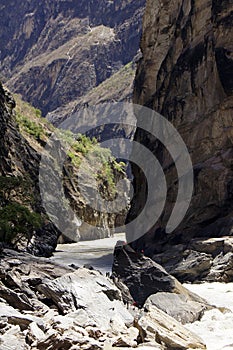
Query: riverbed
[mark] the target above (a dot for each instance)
(98, 253)
(215, 327)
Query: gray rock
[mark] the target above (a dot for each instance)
(70, 294)
(179, 306)
(194, 266)
(15, 317)
(13, 339)
(211, 246)
(17, 300)
(142, 275)
(34, 334)
(222, 268)
(157, 325)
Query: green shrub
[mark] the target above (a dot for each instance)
(38, 113)
(119, 166)
(17, 221)
(75, 159)
(30, 127)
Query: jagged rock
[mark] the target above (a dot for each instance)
(142, 275)
(208, 259)
(44, 242)
(222, 268)
(55, 341)
(157, 325)
(193, 266)
(228, 245)
(69, 293)
(13, 339)
(126, 296)
(127, 340)
(185, 265)
(14, 317)
(34, 334)
(212, 246)
(17, 300)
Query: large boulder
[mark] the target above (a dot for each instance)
(156, 324)
(141, 275)
(69, 294)
(144, 278)
(180, 306)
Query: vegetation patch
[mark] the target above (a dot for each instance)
(17, 220)
(30, 121)
(30, 127)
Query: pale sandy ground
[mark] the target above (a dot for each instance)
(215, 328)
(97, 253)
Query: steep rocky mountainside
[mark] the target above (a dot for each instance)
(186, 74)
(119, 87)
(23, 137)
(54, 52)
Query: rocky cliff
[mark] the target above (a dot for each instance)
(186, 75)
(55, 52)
(28, 151)
(20, 161)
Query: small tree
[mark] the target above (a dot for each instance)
(16, 222)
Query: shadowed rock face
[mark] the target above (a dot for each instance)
(55, 52)
(186, 75)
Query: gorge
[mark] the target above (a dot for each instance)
(164, 290)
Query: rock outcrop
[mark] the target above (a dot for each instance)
(150, 284)
(54, 53)
(77, 309)
(19, 159)
(186, 75)
(24, 136)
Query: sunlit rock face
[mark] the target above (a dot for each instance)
(186, 75)
(55, 52)
(67, 214)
